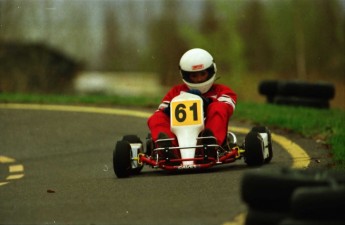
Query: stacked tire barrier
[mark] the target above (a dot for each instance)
(297, 93)
(294, 197)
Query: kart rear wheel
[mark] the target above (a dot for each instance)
(131, 138)
(254, 147)
(263, 129)
(122, 159)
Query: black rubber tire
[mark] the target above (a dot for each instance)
(323, 91)
(299, 101)
(272, 190)
(253, 145)
(122, 159)
(268, 87)
(319, 203)
(302, 89)
(336, 175)
(263, 129)
(258, 217)
(290, 221)
(132, 138)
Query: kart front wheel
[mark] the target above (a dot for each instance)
(122, 159)
(262, 129)
(134, 139)
(254, 149)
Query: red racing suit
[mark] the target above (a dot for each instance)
(218, 113)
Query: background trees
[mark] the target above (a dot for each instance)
(289, 38)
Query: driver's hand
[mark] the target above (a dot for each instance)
(166, 110)
(206, 101)
(194, 92)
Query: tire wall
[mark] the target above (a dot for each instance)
(297, 93)
(290, 196)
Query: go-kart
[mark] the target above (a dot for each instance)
(187, 121)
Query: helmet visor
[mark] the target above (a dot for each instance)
(198, 76)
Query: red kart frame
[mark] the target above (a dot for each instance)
(223, 156)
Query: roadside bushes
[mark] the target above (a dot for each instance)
(35, 68)
(297, 93)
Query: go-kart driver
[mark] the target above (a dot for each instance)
(198, 72)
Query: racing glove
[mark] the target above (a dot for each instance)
(166, 110)
(206, 101)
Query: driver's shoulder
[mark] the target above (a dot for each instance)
(219, 88)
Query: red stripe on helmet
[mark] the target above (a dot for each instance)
(198, 67)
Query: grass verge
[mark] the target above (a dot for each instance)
(139, 101)
(319, 124)
(325, 125)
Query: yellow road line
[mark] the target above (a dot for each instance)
(85, 109)
(14, 176)
(16, 168)
(238, 220)
(4, 159)
(16, 171)
(3, 183)
(299, 156)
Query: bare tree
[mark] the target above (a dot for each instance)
(111, 42)
(167, 44)
(299, 41)
(254, 31)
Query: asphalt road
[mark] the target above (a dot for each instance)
(64, 162)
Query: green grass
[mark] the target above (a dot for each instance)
(82, 99)
(326, 125)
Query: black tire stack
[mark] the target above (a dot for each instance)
(294, 197)
(297, 93)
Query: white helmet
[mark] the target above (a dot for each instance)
(196, 60)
